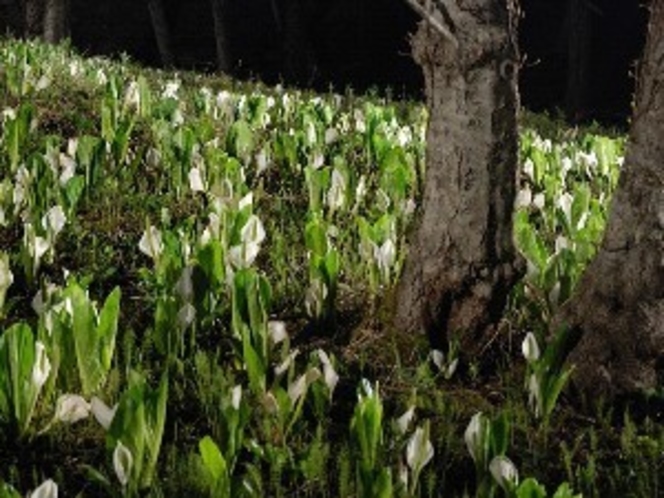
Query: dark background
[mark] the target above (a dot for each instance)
(364, 44)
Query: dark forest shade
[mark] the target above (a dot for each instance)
(365, 44)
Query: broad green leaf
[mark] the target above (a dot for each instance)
(107, 329)
(17, 357)
(565, 491)
(255, 368)
(210, 259)
(315, 237)
(530, 488)
(212, 458)
(94, 343)
(383, 485)
(155, 418)
(7, 491)
(240, 139)
(500, 434)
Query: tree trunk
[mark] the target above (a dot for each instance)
(617, 312)
(462, 261)
(56, 21)
(219, 8)
(578, 30)
(34, 18)
(161, 32)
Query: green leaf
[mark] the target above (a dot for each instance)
(212, 458)
(240, 139)
(107, 329)
(129, 425)
(210, 258)
(256, 370)
(382, 487)
(565, 491)
(155, 403)
(530, 488)
(7, 491)
(17, 358)
(94, 343)
(500, 434)
(316, 237)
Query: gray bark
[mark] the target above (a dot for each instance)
(162, 32)
(617, 312)
(219, 16)
(462, 261)
(56, 21)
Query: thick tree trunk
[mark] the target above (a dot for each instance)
(161, 31)
(56, 21)
(219, 8)
(617, 312)
(462, 261)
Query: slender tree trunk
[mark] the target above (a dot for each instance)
(56, 21)
(462, 261)
(579, 35)
(34, 17)
(219, 15)
(617, 312)
(162, 32)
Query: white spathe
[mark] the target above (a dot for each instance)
(473, 436)
(150, 243)
(530, 348)
(122, 463)
(504, 472)
(419, 450)
(47, 489)
(277, 331)
(102, 412)
(403, 422)
(54, 220)
(330, 375)
(71, 408)
(42, 366)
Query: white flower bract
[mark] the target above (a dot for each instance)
(47, 489)
(504, 472)
(41, 369)
(122, 463)
(150, 243)
(102, 413)
(530, 348)
(419, 450)
(71, 408)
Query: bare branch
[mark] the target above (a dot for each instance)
(427, 11)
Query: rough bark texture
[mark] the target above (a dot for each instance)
(617, 313)
(56, 21)
(161, 31)
(220, 35)
(462, 261)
